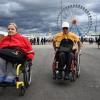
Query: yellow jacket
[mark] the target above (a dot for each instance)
(60, 36)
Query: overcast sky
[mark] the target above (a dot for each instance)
(41, 15)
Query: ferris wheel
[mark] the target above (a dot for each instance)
(78, 16)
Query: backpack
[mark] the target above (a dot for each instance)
(66, 45)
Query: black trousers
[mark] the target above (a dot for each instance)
(64, 58)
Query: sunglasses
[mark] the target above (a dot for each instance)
(65, 28)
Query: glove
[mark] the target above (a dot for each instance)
(30, 62)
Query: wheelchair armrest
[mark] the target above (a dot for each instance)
(74, 51)
(18, 69)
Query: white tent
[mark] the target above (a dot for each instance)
(3, 33)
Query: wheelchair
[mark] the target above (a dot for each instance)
(22, 76)
(71, 72)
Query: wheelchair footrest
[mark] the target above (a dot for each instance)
(19, 83)
(5, 84)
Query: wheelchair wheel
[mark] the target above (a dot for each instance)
(73, 73)
(78, 66)
(54, 65)
(54, 75)
(73, 77)
(21, 90)
(27, 75)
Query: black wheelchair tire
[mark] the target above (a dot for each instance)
(27, 76)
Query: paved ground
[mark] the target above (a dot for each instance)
(87, 87)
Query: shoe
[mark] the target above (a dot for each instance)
(9, 79)
(66, 77)
(60, 75)
(2, 78)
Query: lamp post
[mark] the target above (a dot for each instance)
(96, 25)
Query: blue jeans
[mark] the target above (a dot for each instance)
(6, 70)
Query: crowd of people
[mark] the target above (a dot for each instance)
(40, 41)
(91, 40)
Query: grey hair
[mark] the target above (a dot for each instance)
(13, 25)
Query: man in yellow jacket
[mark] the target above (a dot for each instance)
(65, 57)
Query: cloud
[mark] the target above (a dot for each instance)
(41, 15)
(94, 6)
(10, 8)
